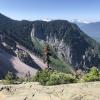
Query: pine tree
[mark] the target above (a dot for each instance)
(47, 55)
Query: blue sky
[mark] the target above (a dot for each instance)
(51, 9)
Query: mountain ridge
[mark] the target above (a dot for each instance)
(69, 45)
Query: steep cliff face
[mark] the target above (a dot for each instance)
(69, 42)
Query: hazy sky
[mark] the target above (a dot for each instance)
(51, 9)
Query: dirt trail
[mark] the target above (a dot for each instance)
(34, 91)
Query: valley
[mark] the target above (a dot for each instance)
(24, 41)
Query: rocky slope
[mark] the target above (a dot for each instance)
(13, 64)
(10, 61)
(34, 91)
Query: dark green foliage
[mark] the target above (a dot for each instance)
(47, 54)
(9, 41)
(17, 30)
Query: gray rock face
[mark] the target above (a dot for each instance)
(69, 42)
(63, 50)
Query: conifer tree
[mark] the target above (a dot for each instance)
(47, 55)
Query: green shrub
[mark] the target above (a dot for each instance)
(9, 78)
(57, 78)
(93, 75)
(54, 78)
(43, 76)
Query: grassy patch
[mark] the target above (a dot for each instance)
(60, 65)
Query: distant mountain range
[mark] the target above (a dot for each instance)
(92, 29)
